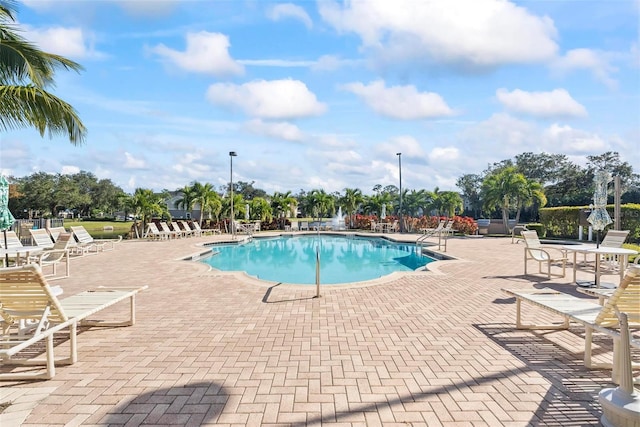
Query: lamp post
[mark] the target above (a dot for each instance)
(400, 175)
(232, 154)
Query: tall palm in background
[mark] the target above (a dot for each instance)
(25, 74)
(187, 200)
(208, 199)
(351, 201)
(146, 205)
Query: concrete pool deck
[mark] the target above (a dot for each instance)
(214, 348)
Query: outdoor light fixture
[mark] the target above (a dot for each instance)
(400, 174)
(232, 154)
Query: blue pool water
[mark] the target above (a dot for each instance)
(292, 259)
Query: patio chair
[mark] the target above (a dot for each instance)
(303, 226)
(205, 231)
(153, 233)
(172, 234)
(186, 227)
(13, 241)
(177, 228)
(86, 243)
(543, 255)
(55, 255)
(54, 232)
(28, 299)
(589, 313)
(41, 237)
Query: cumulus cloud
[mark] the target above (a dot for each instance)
(568, 140)
(444, 154)
(556, 103)
(69, 170)
(289, 10)
(133, 163)
(274, 99)
(206, 53)
(476, 33)
(69, 42)
(278, 130)
(405, 144)
(400, 102)
(595, 61)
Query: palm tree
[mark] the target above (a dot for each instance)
(188, 199)
(25, 73)
(147, 204)
(507, 190)
(261, 209)
(281, 203)
(208, 199)
(351, 201)
(322, 204)
(450, 201)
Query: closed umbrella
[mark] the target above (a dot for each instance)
(6, 219)
(599, 217)
(246, 211)
(383, 212)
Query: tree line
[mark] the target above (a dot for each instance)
(516, 186)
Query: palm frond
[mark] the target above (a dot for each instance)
(31, 106)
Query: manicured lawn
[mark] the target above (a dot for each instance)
(96, 228)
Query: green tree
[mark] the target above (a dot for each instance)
(261, 209)
(146, 204)
(471, 185)
(188, 199)
(351, 201)
(323, 204)
(449, 202)
(508, 190)
(25, 74)
(208, 199)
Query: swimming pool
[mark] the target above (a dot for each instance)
(292, 259)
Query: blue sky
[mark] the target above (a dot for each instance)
(324, 94)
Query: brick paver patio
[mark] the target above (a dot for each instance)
(212, 348)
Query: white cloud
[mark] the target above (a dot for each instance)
(567, 140)
(275, 99)
(598, 62)
(289, 10)
(444, 154)
(557, 103)
(133, 163)
(278, 130)
(405, 144)
(69, 170)
(476, 33)
(205, 53)
(69, 42)
(400, 102)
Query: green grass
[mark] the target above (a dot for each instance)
(634, 247)
(96, 228)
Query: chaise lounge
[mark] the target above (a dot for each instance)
(30, 312)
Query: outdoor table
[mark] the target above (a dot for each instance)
(19, 252)
(576, 249)
(621, 253)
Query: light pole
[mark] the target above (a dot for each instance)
(400, 174)
(232, 154)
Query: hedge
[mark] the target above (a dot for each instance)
(564, 222)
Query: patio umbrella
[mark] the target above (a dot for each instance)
(383, 212)
(6, 219)
(246, 211)
(599, 217)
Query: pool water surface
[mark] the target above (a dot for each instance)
(292, 259)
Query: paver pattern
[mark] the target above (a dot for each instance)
(433, 348)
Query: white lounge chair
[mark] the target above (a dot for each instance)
(205, 231)
(27, 297)
(588, 312)
(543, 255)
(54, 232)
(86, 243)
(55, 255)
(153, 233)
(172, 234)
(41, 237)
(176, 227)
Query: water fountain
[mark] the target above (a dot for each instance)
(337, 222)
